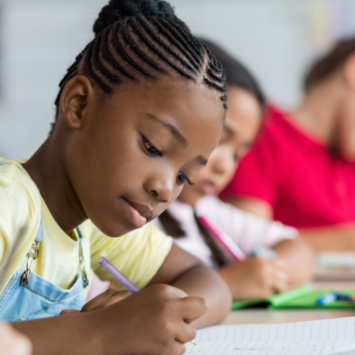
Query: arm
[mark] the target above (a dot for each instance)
(338, 238)
(160, 314)
(252, 205)
(298, 258)
(189, 274)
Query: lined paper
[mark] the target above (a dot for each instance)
(324, 337)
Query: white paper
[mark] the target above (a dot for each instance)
(324, 337)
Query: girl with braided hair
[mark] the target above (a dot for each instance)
(257, 277)
(138, 114)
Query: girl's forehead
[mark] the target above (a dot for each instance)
(192, 112)
(174, 99)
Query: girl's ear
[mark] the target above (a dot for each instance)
(74, 100)
(349, 72)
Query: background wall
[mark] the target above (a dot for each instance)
(40, 38)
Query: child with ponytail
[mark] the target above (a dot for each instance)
(137, 116)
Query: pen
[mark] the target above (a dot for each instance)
(130, 286)
(344, 297)
(223, 238)
(326, 299)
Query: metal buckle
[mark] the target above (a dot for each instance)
(31, 256)
(82, 260)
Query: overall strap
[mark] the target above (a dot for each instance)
(82, 259)
(32, 255)
(39, 235)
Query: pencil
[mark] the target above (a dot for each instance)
(224, 239)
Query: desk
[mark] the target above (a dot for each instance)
(272, 316)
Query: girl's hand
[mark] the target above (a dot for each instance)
(255, 278)
(105, 299)
(12, 342)
(155, 320)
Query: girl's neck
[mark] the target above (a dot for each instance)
(318, 111)
(47, 169)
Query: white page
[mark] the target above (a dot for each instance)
(310, 338)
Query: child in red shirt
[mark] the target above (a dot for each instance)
(301, 170)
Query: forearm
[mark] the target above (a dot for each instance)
(204, 282)
(340, 238)
(298, 256)
(72, 334)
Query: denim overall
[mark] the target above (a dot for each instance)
(28, 296)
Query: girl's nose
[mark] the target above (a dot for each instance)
(161, 189)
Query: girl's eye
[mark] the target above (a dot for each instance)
(151, 150)
(181, 178)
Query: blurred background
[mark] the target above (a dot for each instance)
(39, 39)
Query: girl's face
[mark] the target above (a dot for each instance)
(136, 149)
(241, 126)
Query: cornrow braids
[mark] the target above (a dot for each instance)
(237, 74)
(143, 39)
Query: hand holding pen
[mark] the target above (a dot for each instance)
(130, 286)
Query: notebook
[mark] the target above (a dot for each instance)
(300, 298)
(274, 301)
(322, 337)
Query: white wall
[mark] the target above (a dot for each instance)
(40, 39)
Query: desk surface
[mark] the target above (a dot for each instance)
(272, 316)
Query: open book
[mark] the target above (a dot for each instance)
(322, 337)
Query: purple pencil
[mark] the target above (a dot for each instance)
(130, 286)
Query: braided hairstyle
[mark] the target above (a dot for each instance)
(237, 74)
(143, 39)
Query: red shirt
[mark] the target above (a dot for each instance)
(303, 182)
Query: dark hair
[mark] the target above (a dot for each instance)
(236, 73)
(172, 227)
(143, 39)
(326, 66)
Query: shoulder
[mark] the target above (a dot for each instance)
(275, 130)
(19, 194)
(20, 204)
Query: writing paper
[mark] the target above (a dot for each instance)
(322, 337)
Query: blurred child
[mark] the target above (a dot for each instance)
(253, 278)
(302, 169)
(138, 114)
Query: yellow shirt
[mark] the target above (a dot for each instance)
(138, 255)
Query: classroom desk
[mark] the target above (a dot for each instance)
(272, 316)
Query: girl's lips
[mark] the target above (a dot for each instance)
(208, 188)
(133, 215)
